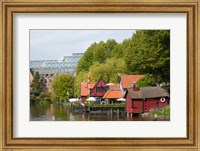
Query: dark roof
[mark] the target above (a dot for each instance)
(148, 92)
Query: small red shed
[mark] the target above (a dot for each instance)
(140, 100)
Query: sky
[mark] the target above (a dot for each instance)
(55, 44)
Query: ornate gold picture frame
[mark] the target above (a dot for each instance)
(10, 7)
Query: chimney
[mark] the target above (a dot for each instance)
(134, 86)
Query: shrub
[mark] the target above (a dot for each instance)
(162, 111)
(45, 96)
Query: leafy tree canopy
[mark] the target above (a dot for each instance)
(35, 85)
(81, 77)
(149, 53)
(108, 71)
(146, 52)
(97, 52)
(148, 80)
(63, 86)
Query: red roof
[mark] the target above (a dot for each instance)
(114, 86)
(85, 86)
(127, 80)
(113, 94)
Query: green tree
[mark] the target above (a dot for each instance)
(109, 46)
(146, 52)
(148, 80)
(63, 86)
(120, 49)
(97, 52)
(36, 85)
(45, 96)
(87, 59)
(109, 70)
(114, 67)
(149, 53)
(82, 76)
(117, 51)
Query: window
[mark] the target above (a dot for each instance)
(47, 75)
(101, 89)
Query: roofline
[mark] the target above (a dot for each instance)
(129, 75)
(87, 87)
(97, 83)
(110, 91)
(130, 89)
(149, 98)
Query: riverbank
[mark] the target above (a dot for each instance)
(157, 114)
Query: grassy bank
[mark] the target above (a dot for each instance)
(162, 114)
(163, 111)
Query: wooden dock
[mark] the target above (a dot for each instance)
(106, 111)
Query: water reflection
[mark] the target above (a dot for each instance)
(57, 112)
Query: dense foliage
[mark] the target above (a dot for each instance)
(146, 52)
(36, 85)
(63, 86)
(148, 80)
(81, 77)
(149, 53)
(163, 111)
(108, 71)
(45, 96)
(97, 52)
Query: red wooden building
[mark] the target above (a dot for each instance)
(140, 100)
(99, 89)
(93, 89)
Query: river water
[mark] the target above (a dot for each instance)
(57, 112)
